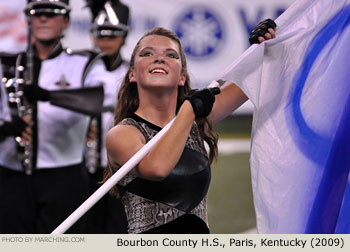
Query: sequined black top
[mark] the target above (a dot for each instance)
(150, 204)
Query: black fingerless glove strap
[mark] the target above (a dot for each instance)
(260, 30)
(202, 100)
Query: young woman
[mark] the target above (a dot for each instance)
(167, 191)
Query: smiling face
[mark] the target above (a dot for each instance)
(158, 63)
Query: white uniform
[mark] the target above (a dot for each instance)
(112, 82)
(61, 132)
(108, 216)
(38, 203)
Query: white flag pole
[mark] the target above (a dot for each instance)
(112, 181)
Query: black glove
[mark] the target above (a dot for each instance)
(34, 93)
(13, 128)
(260, 30)
(202, 100)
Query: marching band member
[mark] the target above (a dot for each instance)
(39, 200)
(109, 31)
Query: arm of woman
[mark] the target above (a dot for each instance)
(230, 98)
(123, 141)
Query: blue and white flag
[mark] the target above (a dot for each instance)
(299, 84)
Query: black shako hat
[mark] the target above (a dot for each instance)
(110, 18)
(57, 7)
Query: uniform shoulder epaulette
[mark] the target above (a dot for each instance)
(93, 57)
(9, 58)
(7, 54)
(9, 62)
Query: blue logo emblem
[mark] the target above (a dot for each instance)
(200, 31)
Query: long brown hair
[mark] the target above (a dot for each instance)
(128, 99)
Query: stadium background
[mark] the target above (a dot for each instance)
(214, 33)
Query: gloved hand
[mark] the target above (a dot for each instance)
(34, 93)
(202, 100)
(260, 30)
(13, 128)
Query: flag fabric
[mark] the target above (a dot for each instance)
(299, 84)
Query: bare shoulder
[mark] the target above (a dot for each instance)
(122, 142)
